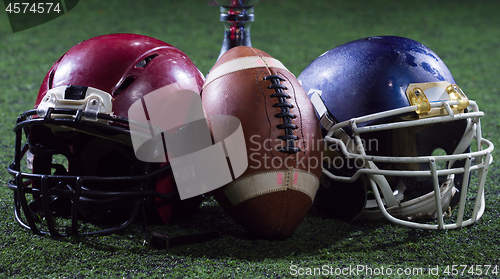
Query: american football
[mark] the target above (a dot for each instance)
(282, 138)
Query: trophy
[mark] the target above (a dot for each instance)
(237, 16)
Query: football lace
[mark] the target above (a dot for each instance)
(285, 114)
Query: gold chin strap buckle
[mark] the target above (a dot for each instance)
(456, 94)
(417, 97)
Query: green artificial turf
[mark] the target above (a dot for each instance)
(465, 35)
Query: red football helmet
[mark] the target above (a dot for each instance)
(78, 142)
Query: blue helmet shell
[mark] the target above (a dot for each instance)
(371, 75)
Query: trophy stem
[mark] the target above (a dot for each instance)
(236, 21)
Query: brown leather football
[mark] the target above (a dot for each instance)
(282, 137)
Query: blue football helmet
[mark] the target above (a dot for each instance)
(402, 140)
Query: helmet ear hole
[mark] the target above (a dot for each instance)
(439, 152)
(60, 164)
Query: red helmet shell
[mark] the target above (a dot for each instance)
(127, 66)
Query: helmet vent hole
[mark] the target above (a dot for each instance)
(126, 83)
(145, 61)
(51, 79)
(60, 58)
